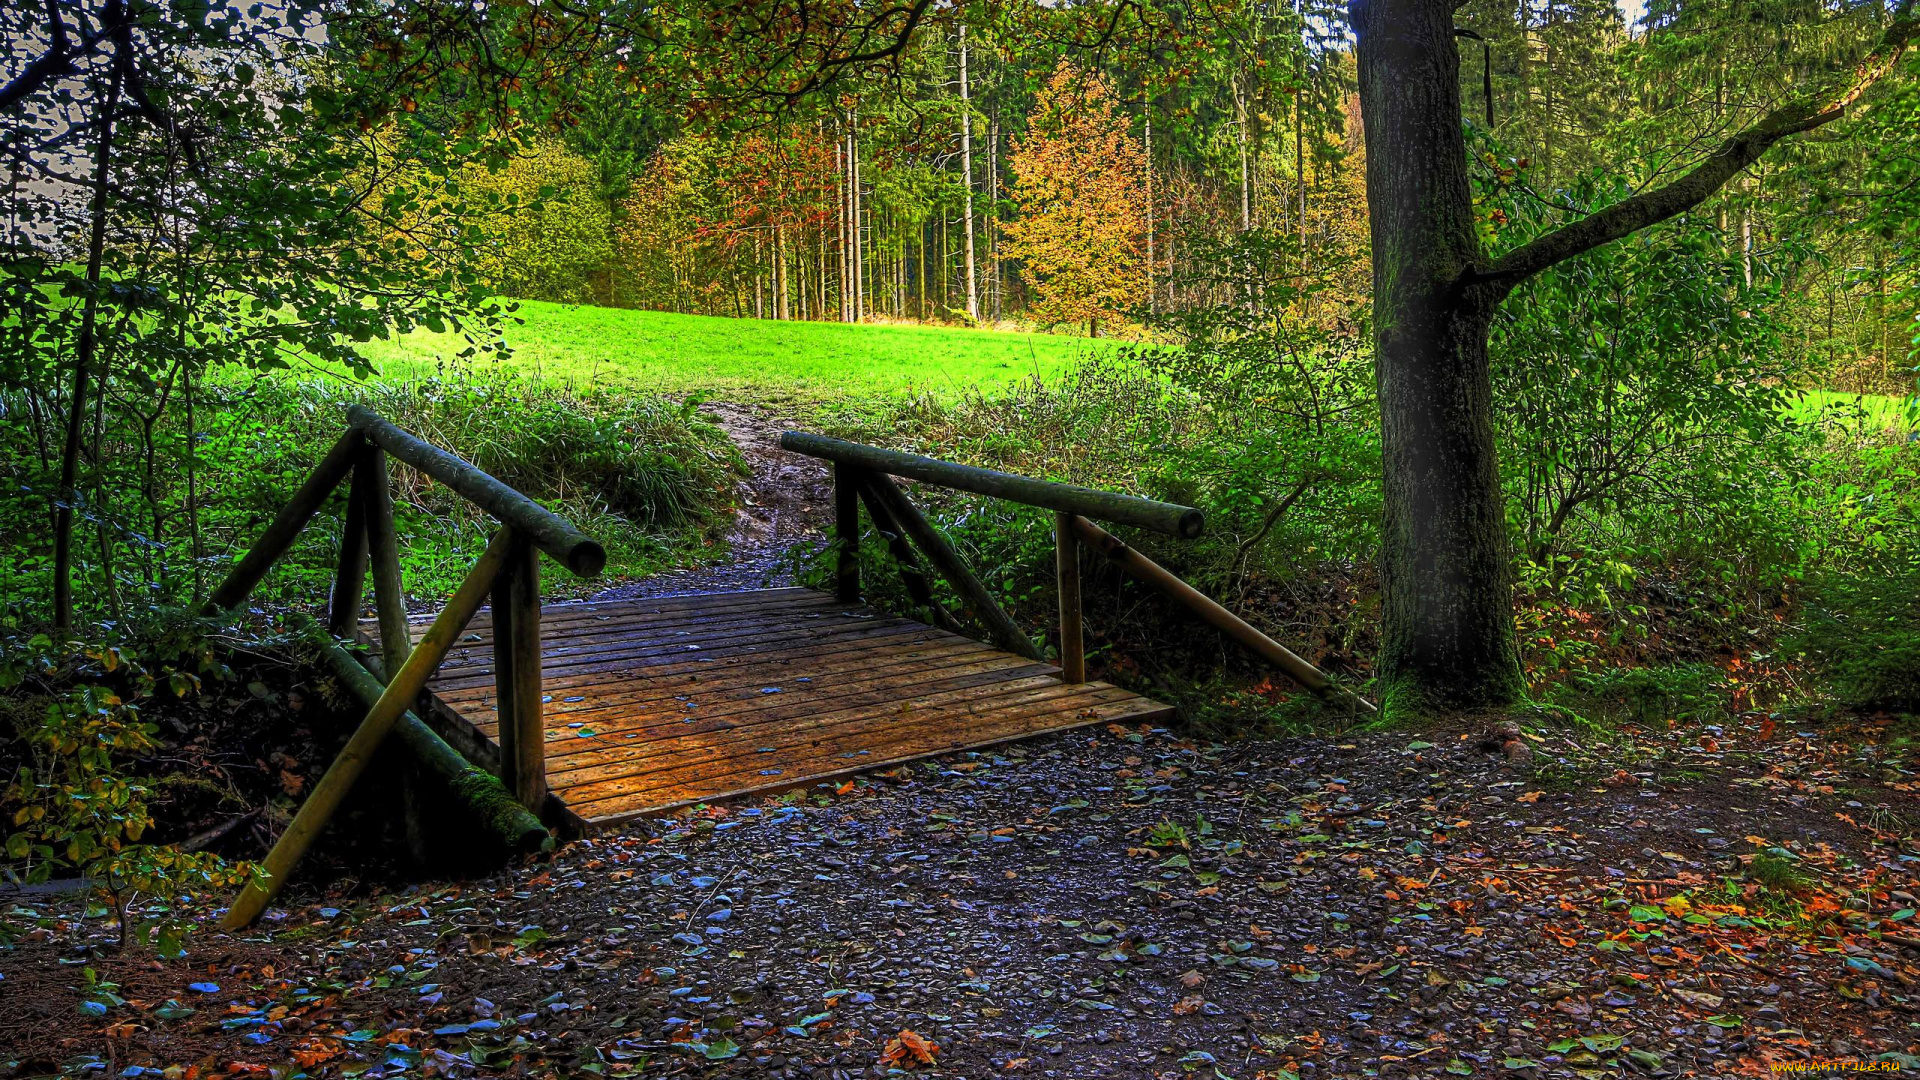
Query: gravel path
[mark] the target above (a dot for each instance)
(1117, 903)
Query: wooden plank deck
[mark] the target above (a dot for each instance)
(657, 704)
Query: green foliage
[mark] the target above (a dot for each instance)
(1683, 694)
(550, 230)
(1643, 387)
(74, 805)
(1282, 443)
(1861, 635)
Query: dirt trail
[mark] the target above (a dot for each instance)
(785, 499)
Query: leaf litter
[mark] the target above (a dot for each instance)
(1112, 902)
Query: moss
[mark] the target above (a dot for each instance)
(503, 818)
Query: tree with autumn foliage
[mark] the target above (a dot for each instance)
(1080, 188)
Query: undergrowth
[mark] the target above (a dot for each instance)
(647, 477)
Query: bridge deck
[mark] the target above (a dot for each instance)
(657, 704)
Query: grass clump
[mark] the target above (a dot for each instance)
(1777, 872)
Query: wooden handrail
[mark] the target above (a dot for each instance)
(863, 472)
(548, 530)
(509, 572)
(1171, 518)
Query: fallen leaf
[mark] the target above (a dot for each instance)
(909, 1048)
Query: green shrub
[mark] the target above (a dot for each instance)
(645, 476)
(72, 803)
(1861, 636)
(1681, 693)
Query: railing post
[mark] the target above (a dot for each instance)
(370, 486)
(516, 663)
(1066, 567)
(350, 577)
(846, 530)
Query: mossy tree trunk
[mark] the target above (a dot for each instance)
(1446, 572)
(1445, 567)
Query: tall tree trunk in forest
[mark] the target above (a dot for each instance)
(1300, 144)
(1877, 311)
(853, 192)
(1447, 636)
(966, 171)
(1446, 573)
(993, 208)
(1148, 111)
(84, 350)
(1240, 111)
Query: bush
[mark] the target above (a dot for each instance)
(72, 803)
(1861, 637)
(645, 476)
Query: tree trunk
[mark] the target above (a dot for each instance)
(854, 226)
(83, 357)
(993, 208)
(1240, 111)
(966, 169)
(1446, 574)
(1147, 110)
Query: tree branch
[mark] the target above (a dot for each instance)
(58, 61)
(1699, 183)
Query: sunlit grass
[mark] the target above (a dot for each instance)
(1882, 412)
(746, 359)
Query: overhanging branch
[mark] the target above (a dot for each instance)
(1699, 183)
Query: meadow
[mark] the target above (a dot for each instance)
(592, 348)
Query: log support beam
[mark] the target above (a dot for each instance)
(398, 697)
(1210, 612)
(1000, 628)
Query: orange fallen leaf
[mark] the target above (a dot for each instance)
(1529, 797)
(909, 1048)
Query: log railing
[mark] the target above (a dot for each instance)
(508, 572)
(864, 473)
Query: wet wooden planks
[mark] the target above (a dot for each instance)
(657, 704)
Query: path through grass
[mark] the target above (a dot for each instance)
(748, 359)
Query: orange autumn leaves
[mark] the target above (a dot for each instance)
(908, 1049)
(1080, 179)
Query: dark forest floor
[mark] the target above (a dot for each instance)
(1111, 903)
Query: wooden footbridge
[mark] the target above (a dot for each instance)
(590, 714)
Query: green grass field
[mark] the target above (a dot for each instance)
(747, 359)
(1875, 411)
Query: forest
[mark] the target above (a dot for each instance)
(1261, 539)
